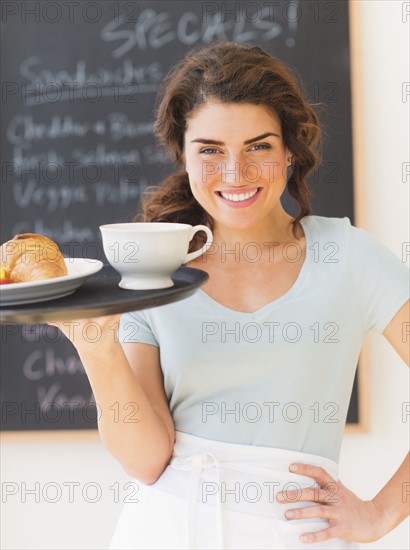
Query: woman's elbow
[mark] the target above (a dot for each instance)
(147, 477)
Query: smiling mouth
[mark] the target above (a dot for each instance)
(239, 196)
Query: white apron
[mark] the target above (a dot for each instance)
(217, 495)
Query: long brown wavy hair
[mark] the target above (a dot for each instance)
(230, 72)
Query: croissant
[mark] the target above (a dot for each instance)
(31, 257)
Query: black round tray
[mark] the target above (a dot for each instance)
(100, 295)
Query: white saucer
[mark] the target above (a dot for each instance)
(79, 269)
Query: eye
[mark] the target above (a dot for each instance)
(208, 149)
(259, 145)
(262, 145)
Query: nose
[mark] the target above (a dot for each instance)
(232, 169)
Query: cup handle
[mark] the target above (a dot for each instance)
(192, 255)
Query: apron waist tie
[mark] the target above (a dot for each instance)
(196, 464)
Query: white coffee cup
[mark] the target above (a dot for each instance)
(146, 254)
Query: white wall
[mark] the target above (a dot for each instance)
(367, 460)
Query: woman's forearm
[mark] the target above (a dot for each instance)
(393, 501)
(128, 425)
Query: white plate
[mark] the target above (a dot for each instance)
(78, 269)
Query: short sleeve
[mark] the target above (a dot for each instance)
(381, 280)
(134, 327)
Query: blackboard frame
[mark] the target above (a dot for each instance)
(358, 146)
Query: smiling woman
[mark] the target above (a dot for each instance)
(234, 121)
(214, 473)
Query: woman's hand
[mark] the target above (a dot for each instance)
(350, 518)
(90, 334)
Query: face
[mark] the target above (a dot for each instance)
(240, 179)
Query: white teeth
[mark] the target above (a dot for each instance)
(239, 197)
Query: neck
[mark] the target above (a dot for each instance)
(233, 245)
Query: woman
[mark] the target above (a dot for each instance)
(220, 393)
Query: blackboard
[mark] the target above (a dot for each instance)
(79, 84)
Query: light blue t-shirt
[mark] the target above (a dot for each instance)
(281, 376)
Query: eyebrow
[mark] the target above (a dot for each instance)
(215, 142)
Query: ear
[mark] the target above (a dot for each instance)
(289, 157)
